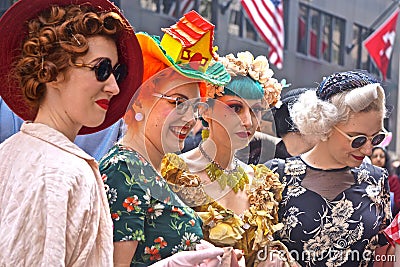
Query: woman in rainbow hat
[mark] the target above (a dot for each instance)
(151, 223)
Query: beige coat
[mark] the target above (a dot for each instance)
(53, 207)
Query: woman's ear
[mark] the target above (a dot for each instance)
(128, 117)
(206, 115)
(326, 136)
(137, 103)
(57, 83)
(134, 113)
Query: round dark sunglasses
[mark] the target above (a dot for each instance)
(103, 69)
(360, 140)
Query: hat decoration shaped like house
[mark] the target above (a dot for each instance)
(189, 41)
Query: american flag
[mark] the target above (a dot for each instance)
(267, 17)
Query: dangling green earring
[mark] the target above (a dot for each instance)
(205, 133)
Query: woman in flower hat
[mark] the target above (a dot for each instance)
(335, 206)
(237, 202)
(151, 223)
(63, 70)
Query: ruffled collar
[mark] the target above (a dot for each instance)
(224, 226)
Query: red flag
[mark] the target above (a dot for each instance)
(267, 17)
(380, 43)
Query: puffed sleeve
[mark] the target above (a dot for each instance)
(127, 199)
(277, 166)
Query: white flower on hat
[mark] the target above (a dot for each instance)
(258, 69)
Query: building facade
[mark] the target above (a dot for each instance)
(321, 37)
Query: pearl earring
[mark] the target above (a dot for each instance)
(139, 116)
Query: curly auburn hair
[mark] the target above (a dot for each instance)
(55, 38)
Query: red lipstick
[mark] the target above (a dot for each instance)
(103, 103)
(358, 157)
(243, 134)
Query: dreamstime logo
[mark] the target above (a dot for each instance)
(274, 255)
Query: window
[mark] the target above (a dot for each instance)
(251, 32)
(205, 9)
(337, 40)
(236, 18)
(301, 30)
(358, 54)
(327, 34)
(174, 8)
(240, 25)
(152, 5)
(320, 35)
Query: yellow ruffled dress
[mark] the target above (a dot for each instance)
(252, 231)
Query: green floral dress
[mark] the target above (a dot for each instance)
(143, 208)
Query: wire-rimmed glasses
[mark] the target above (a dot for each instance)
(182, 104)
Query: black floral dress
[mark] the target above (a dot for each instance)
(339, 232)
(143, 208)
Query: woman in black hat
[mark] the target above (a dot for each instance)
(292, 142)
(334, 206)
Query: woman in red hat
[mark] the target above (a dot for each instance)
(63, 70)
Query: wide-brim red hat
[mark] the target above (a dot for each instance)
(13, 30)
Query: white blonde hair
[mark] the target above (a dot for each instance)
(316, 117)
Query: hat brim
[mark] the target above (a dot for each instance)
(215, 74)
(13, 30)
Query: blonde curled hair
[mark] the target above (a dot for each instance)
(316, 117)
(55, 39)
